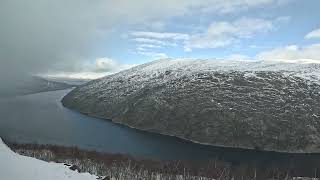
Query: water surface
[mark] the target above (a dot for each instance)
(41, 118)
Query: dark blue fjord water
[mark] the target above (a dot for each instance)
(41, 118)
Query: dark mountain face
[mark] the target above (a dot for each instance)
(267, 106)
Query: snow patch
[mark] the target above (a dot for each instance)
(15, 167)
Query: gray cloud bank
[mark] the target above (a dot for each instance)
(39, 34)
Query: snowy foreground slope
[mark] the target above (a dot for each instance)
(15, 167)
(264, 105)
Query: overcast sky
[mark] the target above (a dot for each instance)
(104, 36)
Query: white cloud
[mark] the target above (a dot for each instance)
(313, 34)
(91, 69)
(153, 54)
(160, 35)
(292, 53)
(148, 41)
(108, 65)
(220, 34)
(154, 41)
(143, 11)
(76, 75)
(149, 46)
(96, 69)
(141, 49)
(231, 6)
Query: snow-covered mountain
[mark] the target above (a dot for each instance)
(17, 167)
(264, 105)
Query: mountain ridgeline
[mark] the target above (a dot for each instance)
(255, 105)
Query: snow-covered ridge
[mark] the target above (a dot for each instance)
(165, 70)
(309, 71)
(15, 167)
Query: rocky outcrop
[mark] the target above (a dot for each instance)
(261, 105)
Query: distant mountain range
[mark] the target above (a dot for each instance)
(256, 105)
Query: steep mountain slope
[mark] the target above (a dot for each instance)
(264, 105)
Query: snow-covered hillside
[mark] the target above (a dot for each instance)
(249, 104)
(17, 167)
(309, 71)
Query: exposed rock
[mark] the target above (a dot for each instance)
(268, 106)
(75, 168)
(106, 178)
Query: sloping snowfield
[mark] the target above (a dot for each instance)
(15, 167)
